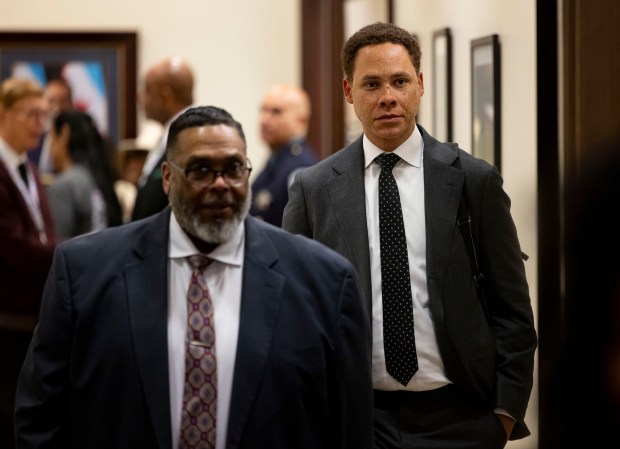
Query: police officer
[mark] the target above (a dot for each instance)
(284, 118)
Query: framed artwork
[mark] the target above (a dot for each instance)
(442, 85)
(99, 67)
(485, 99)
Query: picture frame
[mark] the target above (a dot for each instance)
(442, 85)
(99, 67)
(486, 99)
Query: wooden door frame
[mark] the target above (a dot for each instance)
(322, 39)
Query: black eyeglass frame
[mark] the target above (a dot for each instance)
(204, 173)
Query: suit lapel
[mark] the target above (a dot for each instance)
(260, 302)
(147, 295)
(443, 184)
(347, 197)
(46, 214)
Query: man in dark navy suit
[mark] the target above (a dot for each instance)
(284, 118)
(286, 335)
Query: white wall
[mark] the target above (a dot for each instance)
(515, 23)
(238, 48)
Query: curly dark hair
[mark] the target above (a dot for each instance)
(374, 34)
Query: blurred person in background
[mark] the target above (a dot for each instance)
(59, 98)
(284, 119)
(58, 95)
(96, 156)
(75, 199)
(168, 91)
(131, 156)
(101, 160)
(26, 234)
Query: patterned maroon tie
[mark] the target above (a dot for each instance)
(200, 391)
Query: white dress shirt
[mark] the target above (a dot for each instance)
(30, 193)
(409, 176)
(224, 279)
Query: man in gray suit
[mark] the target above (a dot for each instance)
(465, 376)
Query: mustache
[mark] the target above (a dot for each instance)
(215, 231)
(218, 199)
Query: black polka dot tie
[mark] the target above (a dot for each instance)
(401, 360)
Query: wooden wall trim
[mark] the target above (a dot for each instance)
(549, 217)
(322, 39)
(568, 137)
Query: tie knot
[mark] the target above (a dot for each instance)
(387, 161)
(199, 262)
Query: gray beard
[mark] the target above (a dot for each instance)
(217, 232)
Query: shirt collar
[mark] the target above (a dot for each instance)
(160, 149)
(175, 116)
(410, 150)
(9, 156)
(181, 246)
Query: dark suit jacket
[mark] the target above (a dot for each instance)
(270, 188)
(24, 260)
(150, 198)
(493, 360)
(96, 375)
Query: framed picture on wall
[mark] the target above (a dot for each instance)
(99, 67)
(485, 99)
(442, 85)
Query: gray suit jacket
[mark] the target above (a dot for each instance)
(96, 374)
(494, 360)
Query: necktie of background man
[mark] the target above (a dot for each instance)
(23, 172)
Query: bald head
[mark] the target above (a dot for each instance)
(168, 88)
(285, 115)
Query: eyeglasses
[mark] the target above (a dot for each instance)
(200, 175)
(33, 114)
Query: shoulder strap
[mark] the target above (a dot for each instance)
(463, 220)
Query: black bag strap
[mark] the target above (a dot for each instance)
(463, 221)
